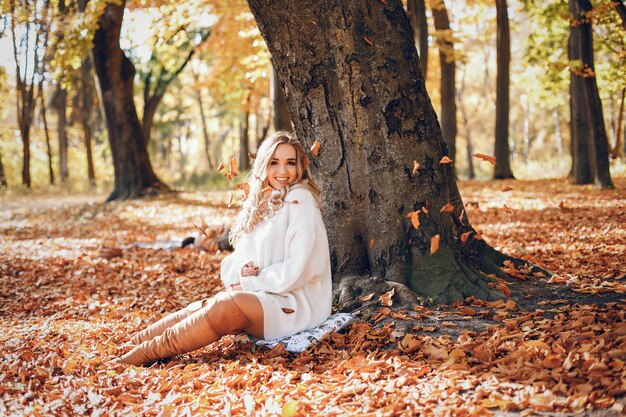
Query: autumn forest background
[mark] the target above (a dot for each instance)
(112, 150)
(204, 78)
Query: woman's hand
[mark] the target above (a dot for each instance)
(249, 269)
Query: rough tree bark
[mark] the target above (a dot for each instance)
(416, 10)
(448, 77)
(585, 90)
(354, 81)
(134, 176)
(282, 118)
(502, 169)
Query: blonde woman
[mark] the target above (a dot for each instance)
(277, 280)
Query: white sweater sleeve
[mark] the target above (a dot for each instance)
(299, 266)
(230, 272)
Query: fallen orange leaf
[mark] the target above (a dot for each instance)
(416, 166)
(315, 148)
(448, 208)
(414, 216)
(434, 244)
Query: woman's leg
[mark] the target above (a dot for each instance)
(223, 314)
(159, 327)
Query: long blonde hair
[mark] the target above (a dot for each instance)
(260, 203)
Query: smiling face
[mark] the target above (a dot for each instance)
(282, 169)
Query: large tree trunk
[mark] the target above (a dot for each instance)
(59, 105)
(585, 92)
(416, 10)
(448, 78)
(282, 118)
(356, 87)
(134, 176)
(503, 165)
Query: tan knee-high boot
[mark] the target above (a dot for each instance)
(219, 317)
(160, 326)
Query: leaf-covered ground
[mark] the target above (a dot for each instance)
(555, 348)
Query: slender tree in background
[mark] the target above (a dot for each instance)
(445, 44)
(357, 88)
(134, 176)
(58, 103)
(159, 75)
(203, 120)
(46, 130)
(469, 149)
(502, 169)
(33, 17)
(85, 97)
(3, 178)
(586, 104)
(244, 136)
(416, 10)
(282, 119)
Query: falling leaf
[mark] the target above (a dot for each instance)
(478, 235)
(385, 299)
(507, 209)
(371, 243)
(220, 167)
(233, 167)
(487, 158)
(434, 244)
(315, 148)
(425, 210)
(368, 41)
(414, 216)
(251, 155)
(416, 166)
(230, 199)
(448, 208)
(384, 2)
(445, 160)
(267, 190)
(465, 236)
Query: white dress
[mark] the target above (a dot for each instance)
(294, 284)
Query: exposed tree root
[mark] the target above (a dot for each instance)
(155, 189)
(441, 278)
